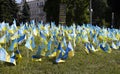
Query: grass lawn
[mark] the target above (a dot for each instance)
(81, 63)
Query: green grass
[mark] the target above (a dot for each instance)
(81, 63)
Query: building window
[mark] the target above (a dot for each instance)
(37, 4)
(41, 3)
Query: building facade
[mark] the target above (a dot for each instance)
(36, 9)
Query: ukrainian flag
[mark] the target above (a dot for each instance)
(113, 46)
(13, 45)
(18, 56)
(11, 30)
(71, 52)
(3, 39)
(87, 48)
(28, 44)
(4, 56)
(15, 36)
(4, 26)
(42, 35)
(21, 39)
(49, 47)
(105, 47)
(35, 31)
(33, 42)
(85, 39)
(53, 54)
(59, 54)
(12, 59)
(38, 56)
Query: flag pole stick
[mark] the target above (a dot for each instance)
(5, 40)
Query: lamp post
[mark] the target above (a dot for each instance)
(91, 10)
(112, 19)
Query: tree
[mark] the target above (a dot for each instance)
(14, 8)
(76, 12)
(25, 13)
(81, 11)
(52, 9)
(115, 6)
(8, 10)
(101, 12)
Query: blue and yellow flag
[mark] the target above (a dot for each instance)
(114, 46)
(37, 56)
(53, 53)
(87, 48)
(21, 39)
(69, 51)
(85, 39)
(59, 54)
(33, 42)
(28, 44)
(42, 35)
(39, 50)
(4, 56)
(12, 59)
(15, 36)
(21, 32)
(18, 56)
(64, 41)
(3, 39)
(4, 26)
(35, 31)
(105, 47)
(14, 24)
(49, 48)
(95, 40)
(118, 44)
(13, 45)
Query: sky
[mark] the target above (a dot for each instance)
(18, 1)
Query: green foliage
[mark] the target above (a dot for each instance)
(99, 8)
(104, 23)
(114, 4)
(25, 13)
(115, 7)
(8, 10)
(76, 12)
(101, 11)
(81, 11)
(52, 9)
